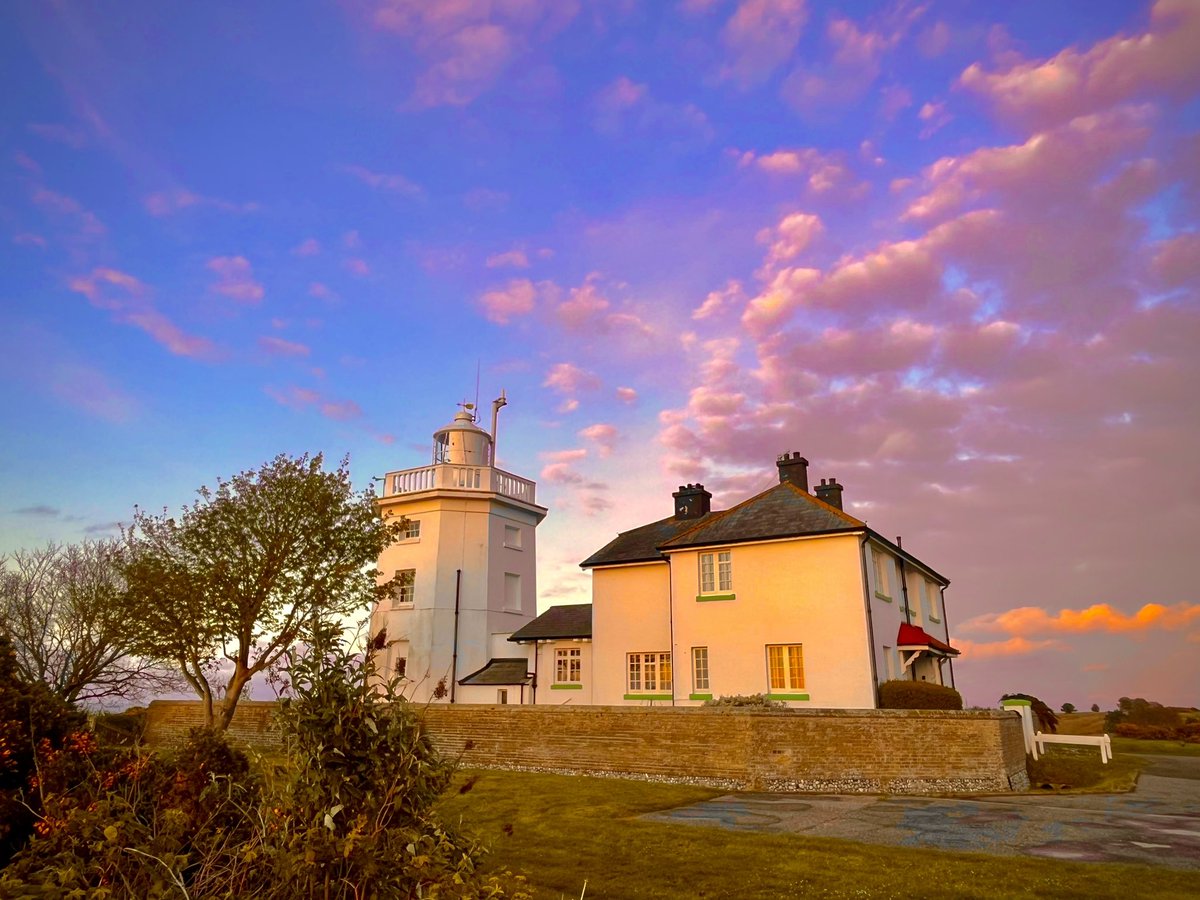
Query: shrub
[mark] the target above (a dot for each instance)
(1145, 732)
(31, 719)
(120, 729)
(759, 701)
(918, 695)
(1138, 711)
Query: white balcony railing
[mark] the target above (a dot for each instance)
(446, 476)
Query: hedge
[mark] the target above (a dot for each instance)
(918, 695)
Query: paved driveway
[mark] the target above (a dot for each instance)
(1158, 824)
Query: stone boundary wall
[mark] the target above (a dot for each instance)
(169, 721)
(827, 751)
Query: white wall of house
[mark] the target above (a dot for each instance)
(629, 615)
(888, 611)
(560, 684)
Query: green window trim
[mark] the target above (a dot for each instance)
(567, 686)
(883, 596)
(649, 697)
(787, 696)
(935, 619)
(1016, 703)
(699, 696)
(710, 598)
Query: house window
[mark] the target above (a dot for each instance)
(649, 672)
(512, 537)
(785, 667)
(883, 570)
(931, 594)
(889, 663)
(700, 669)
(502, 695)
(400, 669)
(567, 666)
(716, 572)
(512, 591)
(404, 587)
(412, 530)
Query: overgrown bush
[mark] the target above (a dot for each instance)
(918, 695)
(1145, 732)
(30, 717)
(352, 817)
(759, 701)
(1047, 721)
(120, 729)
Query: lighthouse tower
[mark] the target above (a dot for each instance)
(462, 577)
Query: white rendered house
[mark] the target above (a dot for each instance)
(784, 594)
(464, 576)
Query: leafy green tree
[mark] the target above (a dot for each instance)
(1095, 707)
(60, 606)
(1068, 708)
(248, 570)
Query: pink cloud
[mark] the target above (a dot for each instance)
(934, 116)
(564, 456)
(357, 266)
(717, 302)
(824, 171)
(235, 279)
(382, 181)
(1028, 621)
(466, 46)
(560, 473)
(1177, 260)
(759, 37)
(26, 162)
(1017, 646)
(60, 204)
(1161, 61)
(321, 291)
(518, 298)
(625, 107)
(515, 258)
(170, 202)
(307, 247)
(29, 239)
(627, 395)
(567, 378)
(603, 435)
(299, 398)
(790, 237)
(279, 347)
(129, 300)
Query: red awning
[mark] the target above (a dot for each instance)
(913, 637)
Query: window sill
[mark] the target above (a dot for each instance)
(712, 598)
(787, 696)
(649, 697)
(699, 696)
(566, 686)
(408, 605)
(882, 596)
(512, 547)
(415, 540)
(935, 621)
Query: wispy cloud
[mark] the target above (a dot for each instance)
(277, 346)
(176, 200)
(383, 181)
(299, 398)
(235, 279)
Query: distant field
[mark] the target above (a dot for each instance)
(1093, 723)
(1081, 723)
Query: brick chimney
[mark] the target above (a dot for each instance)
(793, 468)
(830, 492)
(692, 501)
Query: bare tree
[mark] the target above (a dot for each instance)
(62, 608)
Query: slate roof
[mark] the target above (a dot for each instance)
(641, 544)
(558, 622)
(780, 511)
(499, 671)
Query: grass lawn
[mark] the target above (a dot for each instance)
(1093, 723)
(561, 831)
(1079, 769)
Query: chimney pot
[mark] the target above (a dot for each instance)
(793, 469)
(830, 492)
(692, 501)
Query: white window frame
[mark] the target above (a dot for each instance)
(933, 593)
(412, 531)
(716, 572)
(513, 539)
(701, 682)
(883, 577)
(648, 673)
(404, 588)
(790, 657)
(568, 665)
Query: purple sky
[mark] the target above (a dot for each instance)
(951, 258)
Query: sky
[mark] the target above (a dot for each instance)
(947, 251)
